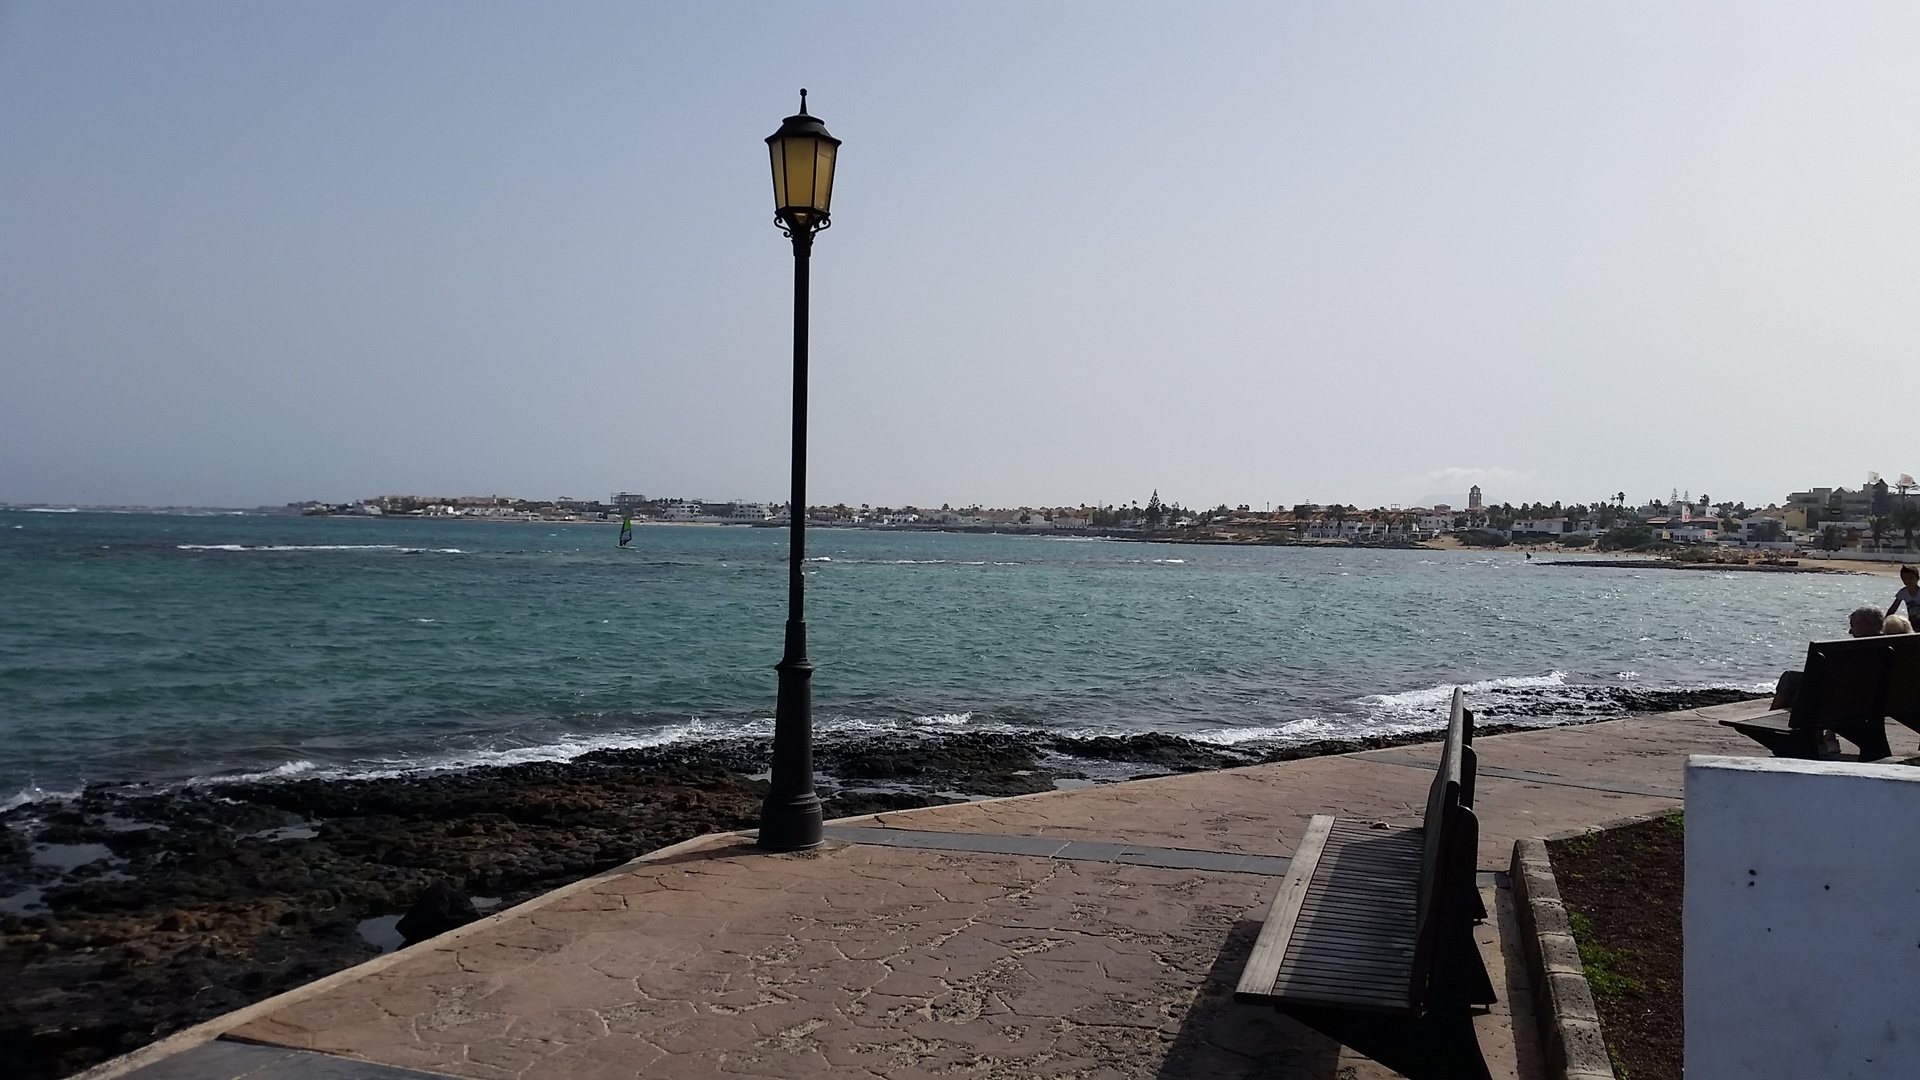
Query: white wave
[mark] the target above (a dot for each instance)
(1424, 709)
(49, 509)
(1442, 695)
(1303, 730)
(693, 730)
(317, 547)
(1170, 562)
(34, 794)
(282, 772)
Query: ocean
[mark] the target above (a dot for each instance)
(168, 647)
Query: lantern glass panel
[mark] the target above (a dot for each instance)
(779, 174)
(799, 153)
(823, 159)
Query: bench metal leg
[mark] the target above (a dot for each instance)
(1469, 982)
(1437, 1046)
(1870, 736)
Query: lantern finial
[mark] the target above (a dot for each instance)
(803, 101)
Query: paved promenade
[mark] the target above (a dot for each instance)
(1096, 932)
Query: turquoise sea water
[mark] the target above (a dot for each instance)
(152, 646)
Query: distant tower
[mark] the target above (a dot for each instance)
(1474, 504)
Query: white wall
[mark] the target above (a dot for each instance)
(1802, 919)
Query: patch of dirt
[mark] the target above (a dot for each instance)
(1623, 889)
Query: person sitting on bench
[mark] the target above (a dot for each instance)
(1896, 624)
(1866, 621)
(1863, 621)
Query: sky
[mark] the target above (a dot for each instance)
(1245, 253)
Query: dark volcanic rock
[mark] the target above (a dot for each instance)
(858, 803)
(1653, 701)
(440, 908)
(977, 763)
(1153, 748)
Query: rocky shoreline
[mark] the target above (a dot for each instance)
(136, 911)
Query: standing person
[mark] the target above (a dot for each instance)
(1908, 595)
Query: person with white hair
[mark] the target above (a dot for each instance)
(1863, 621)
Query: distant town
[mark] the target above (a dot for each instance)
(1877, 519)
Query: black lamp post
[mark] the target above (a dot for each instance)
(803, 157)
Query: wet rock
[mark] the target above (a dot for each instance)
(857, 803)
(977, 763)
(1653, 701)
(1154, 748)
(439, 909)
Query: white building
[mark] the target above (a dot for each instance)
(749, 513)
(1539, 528)
(682, 511)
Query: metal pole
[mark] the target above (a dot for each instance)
(790, 819)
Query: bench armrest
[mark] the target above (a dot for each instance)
(1263, 965)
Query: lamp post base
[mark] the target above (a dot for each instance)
(791, 817)
(790, 825)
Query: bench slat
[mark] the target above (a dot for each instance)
(1353, 942)
(1263, 966)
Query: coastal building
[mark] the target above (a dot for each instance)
(749, 513)
(1681, 529)
(1538, 529)
(1821, 505)
(682, 511)
(1474, 503)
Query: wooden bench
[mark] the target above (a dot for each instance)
(1849, 686)
(1369, 939)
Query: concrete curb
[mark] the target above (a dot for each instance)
(1562, 1001)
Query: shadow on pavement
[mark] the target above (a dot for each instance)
(1222, 1038)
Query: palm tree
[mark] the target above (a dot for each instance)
(1907, 518)
(1831, 538)
(1878, 527)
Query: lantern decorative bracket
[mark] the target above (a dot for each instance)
(802, 233)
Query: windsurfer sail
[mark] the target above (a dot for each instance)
(626, 529)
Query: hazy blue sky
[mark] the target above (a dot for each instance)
(1373, 252)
